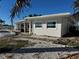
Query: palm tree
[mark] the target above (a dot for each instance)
(76, 9)
(18, 7)
(76, 12)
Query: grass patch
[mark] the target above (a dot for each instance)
(70, 42)
(15, 43)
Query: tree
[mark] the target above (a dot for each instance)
(18, 7)
(76, 13)
(30, 15)
(76, 9)
(1, 21)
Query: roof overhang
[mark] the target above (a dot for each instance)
(27, 19)
(46, 16)
(22, 21)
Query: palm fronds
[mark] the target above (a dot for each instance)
(19, 5)
(17, 8)
(76, 3)
(76, 9)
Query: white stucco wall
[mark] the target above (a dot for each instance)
(56, 32)
(65, 25)
(61, 20)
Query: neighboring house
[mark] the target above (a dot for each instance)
(51, 25)
(4, 26)
(7, 27)
(1, 24)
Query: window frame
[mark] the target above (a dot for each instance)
(38, 25)
(51, 24)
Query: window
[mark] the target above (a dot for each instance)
(39, 24)
(51, 24)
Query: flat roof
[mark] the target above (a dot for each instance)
(43, 16)
(20, 21)
(51, 15)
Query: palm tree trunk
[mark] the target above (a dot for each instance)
(12, 24)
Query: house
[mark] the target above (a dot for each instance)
(1, 24)
(51, 25)
(7, 27)
(4, 26)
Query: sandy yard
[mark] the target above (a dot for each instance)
(34, 43)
